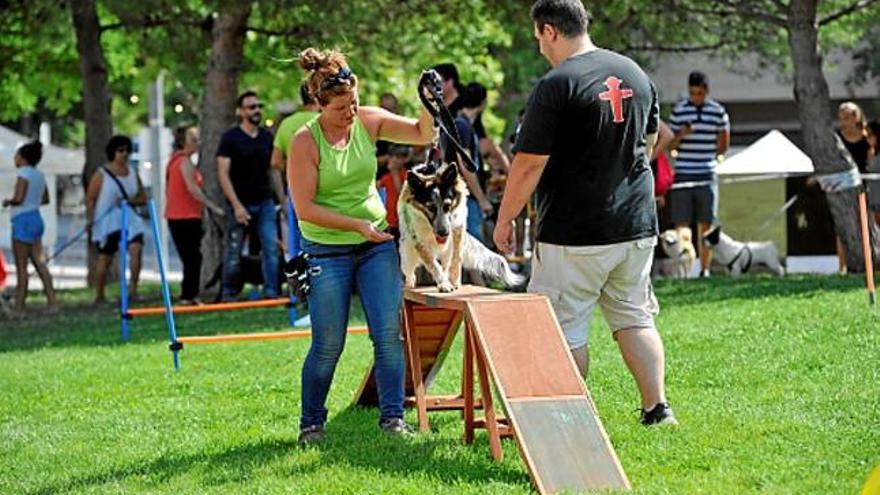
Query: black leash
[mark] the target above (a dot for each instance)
(443, 118)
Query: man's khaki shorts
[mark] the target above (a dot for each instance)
(617, 276)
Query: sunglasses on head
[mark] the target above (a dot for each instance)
(255, 106)
(342, 77)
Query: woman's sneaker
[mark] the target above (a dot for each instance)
(311, 434)
(396, 426)
(660, 414)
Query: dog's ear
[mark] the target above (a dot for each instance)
(448, 173)
(417, 177)
(415, 181)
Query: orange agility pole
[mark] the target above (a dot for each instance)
(247, 337)
(207, 308)
(866, 248)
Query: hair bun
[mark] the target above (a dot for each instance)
(311, 59)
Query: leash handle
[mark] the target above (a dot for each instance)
(430, 83)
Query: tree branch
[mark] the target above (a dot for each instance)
(851, 9)
(748, 9)
(676, 48)
(301, 31)
(151, 22)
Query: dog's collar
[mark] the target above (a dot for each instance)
(744, 251)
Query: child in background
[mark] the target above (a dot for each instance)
(27, 224)
(398, 161)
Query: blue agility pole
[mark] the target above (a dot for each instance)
(174, 345)
(293, 240)
(123, 265)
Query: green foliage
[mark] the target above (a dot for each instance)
(38, 59)
(389, 43)
(770, 401)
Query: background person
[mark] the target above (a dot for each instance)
(399, 157)
(852, 129)
(702, 134)
(479, 205)
(184, 202)
(331, 171)
(243, 169)
(288, 127)
(27, 225)
(873, 186)
(112, 184)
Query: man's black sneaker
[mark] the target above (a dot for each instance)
(311, 434)
(396, 426)
(660, 414)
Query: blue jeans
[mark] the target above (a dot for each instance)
(263, 217)
(374, 270)
(474, 218)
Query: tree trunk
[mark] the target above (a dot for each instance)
(817, 124)
(96, 91)
(217, 115)
(96, 94)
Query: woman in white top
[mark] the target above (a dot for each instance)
(27, 224)
(109, 187)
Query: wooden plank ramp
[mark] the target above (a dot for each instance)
(514, 341)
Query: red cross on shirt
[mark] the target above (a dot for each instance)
(616, 96)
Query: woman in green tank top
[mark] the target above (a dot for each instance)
(331, 172)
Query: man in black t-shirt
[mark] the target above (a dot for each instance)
(584, 148)
(243, 166)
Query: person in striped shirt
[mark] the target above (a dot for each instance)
(702, 136)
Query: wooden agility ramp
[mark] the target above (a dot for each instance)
(514, 342)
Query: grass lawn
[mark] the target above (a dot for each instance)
(776, 384)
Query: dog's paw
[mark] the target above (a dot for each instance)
(446, 286)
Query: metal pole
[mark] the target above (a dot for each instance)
(158, 148)
(123, 265)
(166, 291)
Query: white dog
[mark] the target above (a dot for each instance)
(679, 246)
(740, 257)
(433, 231)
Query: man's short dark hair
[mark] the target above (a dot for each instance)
(304, 95)
(448, 71)
(116, 142)
(698, 78)
(246, 94)
(569, 17)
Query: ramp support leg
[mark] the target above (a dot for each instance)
(415, 365)
(491, 421)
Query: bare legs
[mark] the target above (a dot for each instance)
(642, 351)
(135, 251)
(33, 252)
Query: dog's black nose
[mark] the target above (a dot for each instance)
(442, 232)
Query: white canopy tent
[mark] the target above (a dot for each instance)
(772, 154)
(56, 161)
